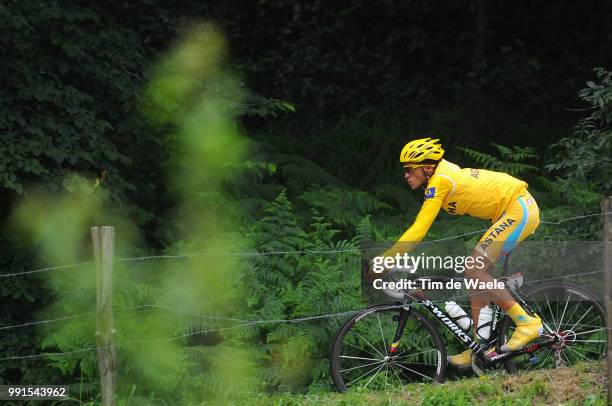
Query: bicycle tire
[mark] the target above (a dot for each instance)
(577, 347)
(436, 369)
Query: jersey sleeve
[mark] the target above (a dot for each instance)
(435, 193)
(437, 189)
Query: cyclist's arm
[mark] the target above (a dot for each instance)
(434, 196)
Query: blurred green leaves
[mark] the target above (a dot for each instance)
(155, 305)
(187, 95)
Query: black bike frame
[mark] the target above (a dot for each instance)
(462, 335)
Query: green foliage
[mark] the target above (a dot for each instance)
(149, 336)
(298, 173)
(70, 82)
(346, 150)
(511, 159)
(184, 95)
(301, 283)
(600, 96)
(580, 385)
(344, 206)
(366, 232)
(324, 178)
(397, 195)
(256, 105)
(581, 164)
(315, 56)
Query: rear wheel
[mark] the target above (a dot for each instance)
(360, 356)
(570, 315)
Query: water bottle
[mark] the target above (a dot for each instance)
(485, 321)
(458, 315)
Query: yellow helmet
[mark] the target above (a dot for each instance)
(415, 152)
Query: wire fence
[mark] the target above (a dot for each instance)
(240, 323)
(245, 321)
(270, 253)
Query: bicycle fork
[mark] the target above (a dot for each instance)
(402, 319)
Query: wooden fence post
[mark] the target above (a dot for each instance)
(103, 239)
(606, 207)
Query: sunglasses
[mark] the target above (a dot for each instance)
(416, 165)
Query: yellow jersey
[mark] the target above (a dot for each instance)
(476, 192)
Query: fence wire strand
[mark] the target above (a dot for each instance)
(257, 254)
(220, 318)
(240, 322)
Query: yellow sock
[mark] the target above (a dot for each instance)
(518, 314)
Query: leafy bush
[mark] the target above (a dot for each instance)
(581, 165)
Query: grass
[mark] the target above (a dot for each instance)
(584, 384)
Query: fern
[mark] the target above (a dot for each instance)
(400, 196)
(511, 159)
(344, 206)
(367, 233)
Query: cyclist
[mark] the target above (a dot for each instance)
(490, 195)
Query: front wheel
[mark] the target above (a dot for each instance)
(572, 317)
(361, 356)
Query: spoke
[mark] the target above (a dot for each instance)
(600, 353)
(580, 319)
(375, 349)
(386, 376)
(546, 357)
(551, 312)
(590, 331)
(412, 370)
(382, 335)
(582, 355)
(557, 307)
(602, 322)
(360, 366)
(417, 363)
(373, 376)
(361, 349)
(564, 309)
(416, 353)
(547, 327)
(584, 325)
(363, 358)
(589, 341)
(567, 361)
(544, 323)
(398, 378)
(588, 348)
(575, 310)
(359, 377)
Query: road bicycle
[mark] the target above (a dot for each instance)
(396, 343)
